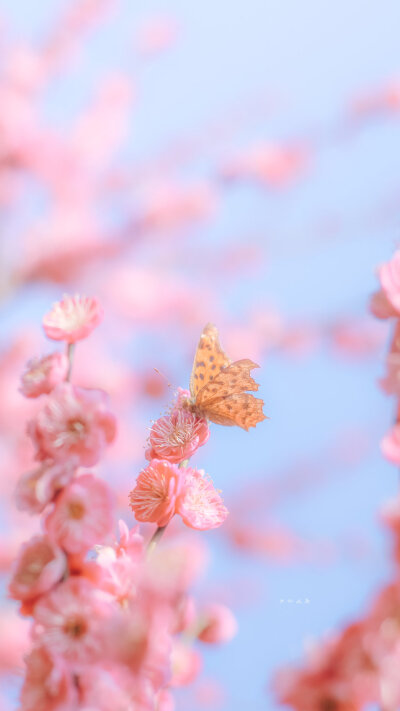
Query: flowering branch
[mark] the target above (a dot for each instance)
(112, 627)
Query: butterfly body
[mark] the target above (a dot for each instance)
(218, 386)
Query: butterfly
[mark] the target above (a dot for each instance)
(218, 386)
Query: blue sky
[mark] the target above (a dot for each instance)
(309, 59)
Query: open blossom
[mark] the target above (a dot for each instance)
(74, 422)
(39, 566)
(177, 436)
(48, 684)
(156, 492)
(72, 319)
(200, 505)
(38, 488)
(70, 619)
(82, 515)
(43, 374)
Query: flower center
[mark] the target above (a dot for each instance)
(76, 428)
(75, 627)
(76, 510)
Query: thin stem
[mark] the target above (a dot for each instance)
(70, 356)
(155, 538)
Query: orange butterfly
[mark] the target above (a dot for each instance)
(218, 386)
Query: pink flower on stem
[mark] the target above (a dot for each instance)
(200, 505)
(177, 436)
(43, 374)
(75, 422)
(38, 488)
(72, 319)
(71, 620)
(39, 566)
(218, 624)
(82, 515)
(156, 492)
(48, 684)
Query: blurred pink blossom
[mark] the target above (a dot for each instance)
(218, 624)
(75, 422)
(48, 685)
(72, 319)
(71, 620)
(43, 374)
(39, 566)
(82, 515)
(38, 488)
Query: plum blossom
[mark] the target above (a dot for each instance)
(218, 624)
(43, 374)
(82, 515)
(177, 436)
(48, 685)
(156, 492)
(39, 566)
(72, 319)
(74, 422)
(200, 505)
(38, 488)
(71, 620)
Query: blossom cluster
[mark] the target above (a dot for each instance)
(357, 668)
(167, 486)
(113, 623)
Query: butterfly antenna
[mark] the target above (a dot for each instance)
(163, 376)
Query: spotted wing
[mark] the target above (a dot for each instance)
(233, 378)
(225, 399)
(208, 361)
(242, 409)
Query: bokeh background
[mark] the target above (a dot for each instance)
(227, 162)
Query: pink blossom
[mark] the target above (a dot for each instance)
(72, 319)
(156, 492)
(186, 664)
(43, 374)
(200, 505)
(111, 688)
(38, 488)
(389, 276)
(71, 620)
(39, 566)
(381, 307)
(82, 515)
(177, 436)
(48, 683)
(74, 422)
(218, 624)
(390, 444)
(165, 701)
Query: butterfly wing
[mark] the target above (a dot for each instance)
(233, 378)
(242, 409)
(208, 361)
(224, 399)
